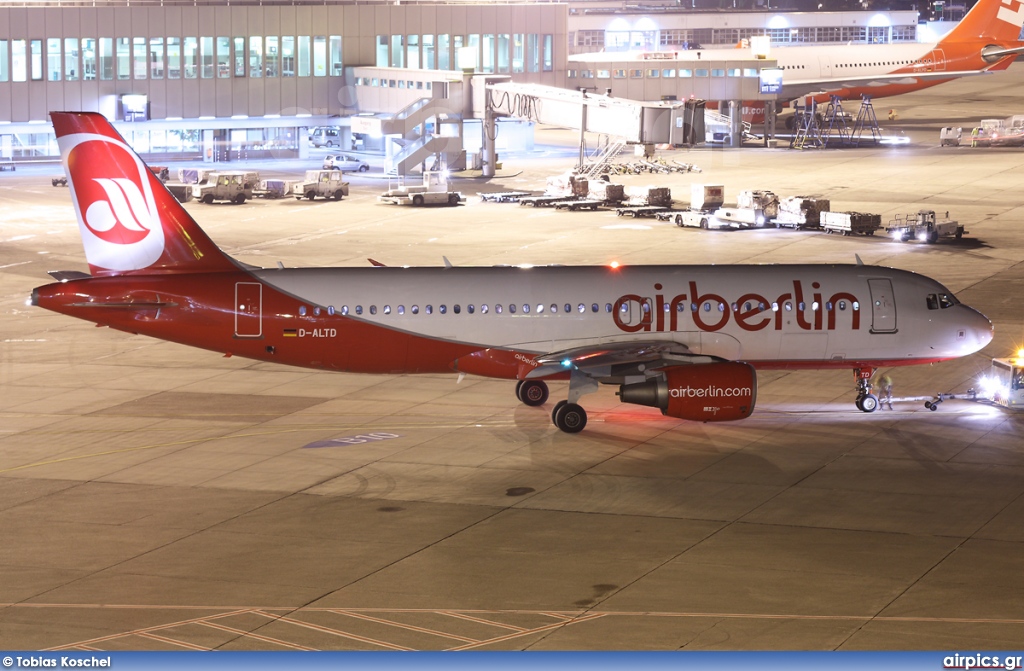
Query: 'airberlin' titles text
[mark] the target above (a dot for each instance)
(751, 311)
(709, 391)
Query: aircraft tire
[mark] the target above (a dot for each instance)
(519, 387)
(571, 418)
(554, 413)
(533, 392)
(868, 403)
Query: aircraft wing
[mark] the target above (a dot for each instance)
(609, 361)
(799, 87)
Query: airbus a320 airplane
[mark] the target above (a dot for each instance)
(986, 40)
(685, 339)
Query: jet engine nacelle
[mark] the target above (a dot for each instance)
(711, 392)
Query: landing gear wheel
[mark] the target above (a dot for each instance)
(570, 418)
(554, 413)
(533, 392)
(868, 403)
(519, 386)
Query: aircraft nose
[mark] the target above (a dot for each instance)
(979, 329)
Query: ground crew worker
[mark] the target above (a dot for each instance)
(885, 391)
(974, 136)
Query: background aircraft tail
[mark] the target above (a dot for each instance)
(994, 21)
(130, 223)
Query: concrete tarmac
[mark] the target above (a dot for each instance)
(158, 497)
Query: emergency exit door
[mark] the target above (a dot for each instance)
(248, 310)
(883, 306)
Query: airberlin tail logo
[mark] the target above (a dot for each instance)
(117, 213)
(1010, 15)
(119, 218)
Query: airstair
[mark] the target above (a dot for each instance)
(417, 144)
(835, 129)
(604, 159)
(866, 122)
(808, 130)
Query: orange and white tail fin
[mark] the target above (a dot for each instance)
(992, 21)
(130, 223)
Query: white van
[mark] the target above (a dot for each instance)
(325, 137)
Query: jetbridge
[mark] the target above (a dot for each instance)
(632, 121)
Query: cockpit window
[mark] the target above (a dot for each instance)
(941, 301)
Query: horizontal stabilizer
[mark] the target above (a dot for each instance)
(68, 275)
(126, 305)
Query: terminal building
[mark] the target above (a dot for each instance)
(250, 80)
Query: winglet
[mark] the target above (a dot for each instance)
(859, 262)
(447, 263)
(375, 263)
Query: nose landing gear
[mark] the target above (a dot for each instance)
(866, 401)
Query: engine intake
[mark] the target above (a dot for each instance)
(713, 392)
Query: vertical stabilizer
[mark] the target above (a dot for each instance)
(129, 222)
(990, 21)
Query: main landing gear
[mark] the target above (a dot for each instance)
(532, 392)
(866, 401)
(568, 415)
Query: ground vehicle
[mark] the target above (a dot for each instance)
(235, 186)
(851, 223)
(1004, 384)
(325, 137)
(950, 137)
(706, 209)
(924, 226)
(433, 191)
(345, 162)
(323, 183)
(801, 212)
